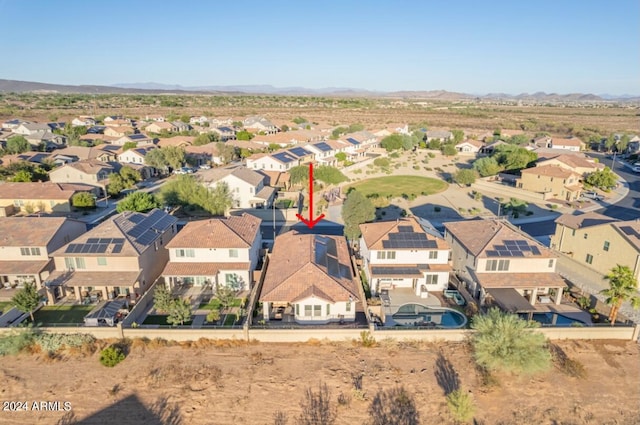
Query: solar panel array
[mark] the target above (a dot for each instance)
(326, 254)
(394, 271)
(630, 231)
(283, 157)
(353, 141)
(299, 151)
(322, 146)
(95, 246)
(405, 229)
(513, 249)
(408, 240)
(147, 230)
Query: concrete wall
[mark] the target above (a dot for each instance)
(505, 191)
(267, 214)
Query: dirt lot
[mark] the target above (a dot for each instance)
(233, 383)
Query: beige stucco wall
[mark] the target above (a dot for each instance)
(66, 174)
(45, 205)
(546, 184)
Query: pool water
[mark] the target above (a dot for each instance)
(559, 320)
(421, 315)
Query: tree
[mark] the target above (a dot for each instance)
(273, 147)
(284, 128)
(23, 176)
(17, 144)
(186, 191)
(512, 157)
(299, 174)
(138, 201)
(205, 139)
(179, 312)
(328, 174)
(155, 158)
(129, 145)
(487, 166)
(603, 179)
(393, 406)
(357, 209)
(458, 136)
(27, 299)
(162, 299)
(449, 149)
(503, 341)
(130, 176)
(317, 408)
(392, 142)
(465, 177)
(227, 153)
(244, 135)
(226, 295)
(341, 156)
(83, 200)
(116, 184)
(623, 286)
(173, 156)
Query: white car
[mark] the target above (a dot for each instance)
(205, 167)
(592, 195)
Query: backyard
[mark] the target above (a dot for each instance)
(397, 186)
(5, 306)
(60, 314)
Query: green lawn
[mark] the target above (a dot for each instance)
(396, 186)
(5, 306)
(62, 313)
(159, 319)
(230, 319)
(214, 304)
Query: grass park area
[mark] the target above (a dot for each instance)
(62, 313)
(396, 186)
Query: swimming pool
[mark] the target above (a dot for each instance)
(423, 316)
(555, 319)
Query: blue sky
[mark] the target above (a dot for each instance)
(560, 46)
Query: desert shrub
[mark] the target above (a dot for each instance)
(111, 356)
(393, 406)
(416, 167)
(567, 365)
(394, 155)
(381, 162)
(16, 341)
(344, 399)
(366, 339)
(460, 405)
(213, 316)
(431, 154)
(358, 171)
(51, 343)
(317, 408)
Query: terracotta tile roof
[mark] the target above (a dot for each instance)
(520, 280)
(245, 174)
(301, 265)
(86, 278)
(252, 146)
(29, 231)
(22, 267)
(201, 269)
(574, 161)
(478, 144)
(550, 171)
(176, 141)
(275, 178)
(375, 234)
(480, 236)
(230, 232)
(81, 152)
(630, 231)
(89, 166)
(573, 141)
(583, 220)
(34, 190)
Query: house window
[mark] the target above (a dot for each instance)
(606, 246)
(586, 235)
(328, 309)
(388, 255)
(317, 310)
(185, 253)
(102, 261)
(80, 265)
(432, 279)
(348, 306)
(551, 263)
(297, 309)
(69, 264)
(35, 251)
(589, 259)
(25, 251)
(307, 310)
(230, 279)
(233, 253)
(433, 255)
(497, 265)
(573, 232)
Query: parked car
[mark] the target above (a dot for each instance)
(179, 171)
(636, 169)
(592, 195)
(205, 167)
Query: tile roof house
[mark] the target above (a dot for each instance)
(122, 256)
(139, 139)
(25, 245)
(442, 135)
(44, 197)
(247, 186)
(260, 124)
(497, 261)
(310, 278)
(218, 251)
(278, 161)
(599, 242)
(403, 254)
(572, 144)
(89, 171)
(576, 163)
(469, 146)
(119, 131)
(552, 181)
(160, 126)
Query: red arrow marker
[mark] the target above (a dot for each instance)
(311, 221)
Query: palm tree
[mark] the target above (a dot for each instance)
(623, 286)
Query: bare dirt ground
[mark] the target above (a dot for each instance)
(234, 383)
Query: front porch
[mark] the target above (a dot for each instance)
(92, 287)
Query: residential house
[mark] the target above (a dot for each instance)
(178, 141)
(276, 179)
(122, 256)
(49, 140)
(119, 131)
(89, 171)
(634, 145)
(310, 280)
(599, 242)
(12, 124)
(489, 147)
(324, 152)
(135, 158)
(83, 121)
(44, 197)
(181, 126)
(25, 246)
(442, 135)
(499, 263)
(279, 161)
(161, 126)
(95, 139)
(469, 147)
(553, 181)
(28, 128)
(119, 122)
(155, 117)
(260, 124)
(572, 144)
(225, 133)
(198, 120)
(139, 139)
(246, 186)
(578, 164)
(541, 142)
(216, 252)
(78, 153)
(404, 253)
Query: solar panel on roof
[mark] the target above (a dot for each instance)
(147, 237)
(136, 218)
(517, 254)
(332, 249)
(522, 243)
(93, 240)
(77, 248)
(353, 141)
(117, 248)
(333, 267)
(535, 250)
(117, 240)
(85, 248)
(136, 232)
(282, 157)
(492, 253)
(405, 229)
(93, 248)
(322, 146)
(164, 223)
(102, 248)
(104, 240)
(299, 151)
(70, 247)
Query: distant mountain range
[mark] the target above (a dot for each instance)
(157, 88)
